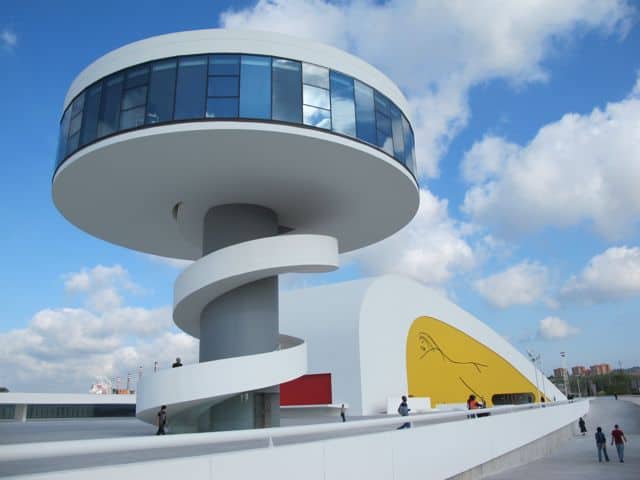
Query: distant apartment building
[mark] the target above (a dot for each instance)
(579, 370)
(600, 369)
(559, 372)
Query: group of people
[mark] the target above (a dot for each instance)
(617, 438)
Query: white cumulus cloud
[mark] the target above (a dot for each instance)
(580, 168)
(102, 286)
(436, 51)
(612, 275)
(523, 284)
(431, 248)
(554, 328)
(64, 349)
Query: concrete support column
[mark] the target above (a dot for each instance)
(20, 414)
(243, 321)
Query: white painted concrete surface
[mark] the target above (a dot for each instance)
(429, 450)
(223, 270)
(373, 317)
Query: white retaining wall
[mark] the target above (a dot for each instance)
(433, 451)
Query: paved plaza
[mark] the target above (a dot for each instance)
(578, 459)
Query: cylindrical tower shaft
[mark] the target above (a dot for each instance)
(243, 321)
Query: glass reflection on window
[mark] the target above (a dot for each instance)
(316, 117)
(396, 132)
(222, 107)
(315, 75)
(90, 113)
(236, 86)
(134, 97)
(286, 95)
(137, 76)
(132, 118)
(343, 112)
(255, 87)
(223, 87)
(316, 97)
(191, 86)
(162, 83)
(365, 112)
(109, 116)
(224, 65)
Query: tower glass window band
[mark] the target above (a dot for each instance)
(234, 86)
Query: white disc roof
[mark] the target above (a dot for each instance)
(125, 188)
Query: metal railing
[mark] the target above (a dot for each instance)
(28, 451)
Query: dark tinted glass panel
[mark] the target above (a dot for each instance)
(316, 117)
(365, 113)
(343, 111)
(77, 104)
(385, 141)
(72, 143)
(64, 134)
(91, 107)
(132, 118)
(398, 136)
(190, 90)
(286, 91)
(222, 108)
(383, 123)
(315, 75)
(223, 87)
(409, 146)
(382, 103)
(224, 65)
(316, 97)
(255, 87)
(75, 124)
(134, 97)
(161, 92)
(512, 398)
(110, 106)
(137, 76)
(7, 412)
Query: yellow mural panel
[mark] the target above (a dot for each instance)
(448, 365)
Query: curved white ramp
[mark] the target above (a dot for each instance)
(190, 390)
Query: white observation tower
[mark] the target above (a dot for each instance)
(253, 154)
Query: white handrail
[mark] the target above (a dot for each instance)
(27, 451)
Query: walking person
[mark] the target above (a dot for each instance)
(404, 410)
(583, 427)
(162, 420)
(601, 445)
(342, 413)
(618, 437)
(472, 404)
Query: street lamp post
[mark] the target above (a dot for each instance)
(565, 375)
(534, 359)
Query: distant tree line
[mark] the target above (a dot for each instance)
(617, 382)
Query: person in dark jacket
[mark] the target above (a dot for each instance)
(601, 445)
(404, 410)
(162, 420)
(583, 427)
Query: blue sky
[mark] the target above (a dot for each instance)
(527, 127)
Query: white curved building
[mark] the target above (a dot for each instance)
(254, 154)
(380, 338)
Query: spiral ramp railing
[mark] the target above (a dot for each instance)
(190, 390)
